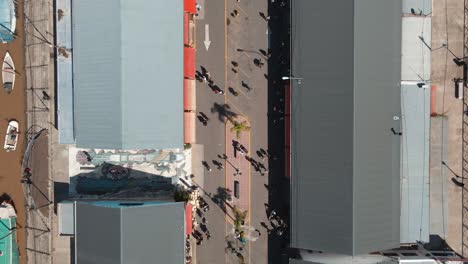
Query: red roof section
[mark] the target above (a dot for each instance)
(189, 63)
(188, 219)
(190, 6)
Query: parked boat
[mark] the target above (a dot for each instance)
(8, 73)
(11, 137)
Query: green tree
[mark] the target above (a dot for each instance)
(239, 127)
(239, 218)
(181, 195)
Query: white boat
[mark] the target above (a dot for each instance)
(8, 73)
(11, 137)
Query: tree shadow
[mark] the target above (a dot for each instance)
(222, 198)
(224, 111)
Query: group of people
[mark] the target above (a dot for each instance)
(205, 77)
(278, 226)
(188, 257)
(238, 147)
(258, 166)
(199, 236)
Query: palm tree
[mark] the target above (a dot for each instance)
(239, 217)
(239, 127)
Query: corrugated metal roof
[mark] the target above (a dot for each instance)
(418, 5)
(416, 54)
(64, 73)
(415, 164)
(325, 258)
(345, 160)
(66, 218)
(130, 235)
(128, 84)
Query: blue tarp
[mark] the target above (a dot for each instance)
(7, 20)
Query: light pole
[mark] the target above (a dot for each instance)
(455, 180)
(299, 80)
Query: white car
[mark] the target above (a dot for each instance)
(11, 137)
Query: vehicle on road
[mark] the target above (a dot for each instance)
(8, 73)
(11, 137)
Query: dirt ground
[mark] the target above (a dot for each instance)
(12, 106)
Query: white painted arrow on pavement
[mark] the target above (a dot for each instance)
(207, 37)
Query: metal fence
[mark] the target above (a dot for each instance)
(465, 140)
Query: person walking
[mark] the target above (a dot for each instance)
(272, 214)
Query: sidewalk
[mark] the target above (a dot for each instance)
(447, 28)
(237, 166)
(40, 114)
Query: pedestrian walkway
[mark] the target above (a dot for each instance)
(237, 166)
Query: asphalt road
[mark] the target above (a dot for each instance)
(211, 135)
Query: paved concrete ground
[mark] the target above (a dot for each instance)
(40, 114)
(447, 28)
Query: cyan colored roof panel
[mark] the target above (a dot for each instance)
(8, 244)
(128, 73)
(415, 53)
(414, 217)
(97, 73)
(152, 74)
(64, 73)
(418, 5)
(7, 20)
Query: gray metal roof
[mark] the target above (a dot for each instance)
(139, 234)
(298, 261)
(415, 163)
(343, 259)
(345, 160)
(417, 5)
(416, 56)
(128, 73)
(64, 73)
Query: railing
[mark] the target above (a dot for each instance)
(465, 141)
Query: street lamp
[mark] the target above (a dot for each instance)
(455, 180)
(299, 80)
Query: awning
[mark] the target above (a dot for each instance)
(189, 63)
(189, 29)
(188, 219)
(186, 29)
(189, 95)
(190, 6)
(189, 127)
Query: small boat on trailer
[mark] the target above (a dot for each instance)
(8, 73)
(11, 137)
